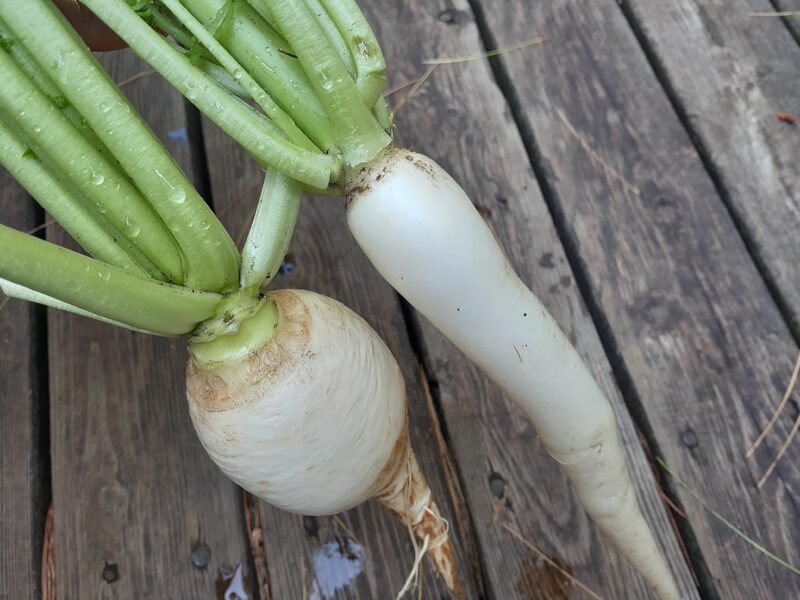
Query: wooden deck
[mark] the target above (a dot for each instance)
(635, 170)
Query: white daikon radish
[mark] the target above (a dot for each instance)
(423, 234)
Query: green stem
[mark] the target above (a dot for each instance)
(383, 114)
(251, 130)
(168, 26)
(85, 168)
(355, 130)
(103, 290)
(269, 236)
(222, 78)
(283, 121)
(12, 290)
(263, 10)
(61, 203)
(33, 70)
(363, 45)
(208, 253)
(333, 34)
(266, 56)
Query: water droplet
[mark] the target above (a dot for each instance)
(327, 84)
(36, 128)
(104, 107)
(238, 74)
(205, 225)
(191, 92)
(178, 195)
(98, 178)
(133, 227)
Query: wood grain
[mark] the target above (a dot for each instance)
(303, 552)
(24, 480)
(694, 330)
(749, 74)
(133, 490)
(461, 119)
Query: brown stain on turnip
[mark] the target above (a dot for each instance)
(225, 387)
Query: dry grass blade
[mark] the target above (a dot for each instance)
(135, 78)
(3, 301)
(778, 410)
(668, 501)
(717, 515)
(399, 87)
(607, 168)
(415, 88)
(785, 13)
(781, 452)
(485, 55)
(551, 562)
(340, 522)
(432, 63)
(38, 228)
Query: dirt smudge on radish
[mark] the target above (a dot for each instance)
(547, 261)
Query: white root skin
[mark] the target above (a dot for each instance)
(425, 237)
(314, 421)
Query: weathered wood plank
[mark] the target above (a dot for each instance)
(687, 312)
(24, 481)
(133, 490)
(748, 74)
(305, 553)
(461, 119)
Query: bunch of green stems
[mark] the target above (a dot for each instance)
(297, 83)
